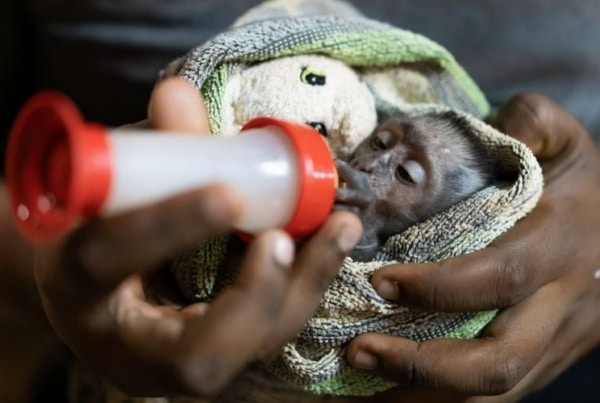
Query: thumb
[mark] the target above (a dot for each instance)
(546, 128)
(177, 106)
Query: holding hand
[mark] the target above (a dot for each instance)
(97, 284)
(543, 273)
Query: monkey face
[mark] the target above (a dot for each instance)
(396, 159)
(410, 169)
(417, 167)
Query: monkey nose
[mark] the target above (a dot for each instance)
(361, 166)
(354, 163)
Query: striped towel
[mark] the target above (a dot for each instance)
(402, 70)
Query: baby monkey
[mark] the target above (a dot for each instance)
(407, 170)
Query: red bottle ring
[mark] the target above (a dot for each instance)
(318, 175)
(57, 166)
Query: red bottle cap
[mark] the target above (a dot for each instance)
(58, 166)
(318, 175)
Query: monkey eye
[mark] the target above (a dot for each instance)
(319, 126)
(402, 173)
(377, 144)
(411, 172)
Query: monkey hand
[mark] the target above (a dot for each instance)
(357, 196)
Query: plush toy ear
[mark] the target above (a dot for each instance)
(354, 115)
(400, 86)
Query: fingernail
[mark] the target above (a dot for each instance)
(387, 290)
(283, 251)
(364, 360)
(347, 238)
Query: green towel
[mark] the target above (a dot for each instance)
(404, 71)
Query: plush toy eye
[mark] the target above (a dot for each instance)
(318, 126)
(310, 77)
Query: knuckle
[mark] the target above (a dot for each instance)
(421, 290)
(404, 371)
(424, 296)
(504, 376)
(538, 109)
(85, 257)
(416, 372)
(417, 376)
(327, 254)
(525, 117)
(320, 282)
(533, 105)
(198, 376)
(320, 275)
(513, 278)
(271, 300)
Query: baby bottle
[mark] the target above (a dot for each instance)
(61, 169)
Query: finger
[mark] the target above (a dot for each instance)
(203, 354)
(195, 310)
(142, 124)
(492, 364)
(315, 267)
(499, 275)
(577, 337)
(540, 123)
(513, 267)
(509, 269)
(104, 252)
(177, 106)
(352, 197)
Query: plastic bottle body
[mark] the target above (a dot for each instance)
(258, 164)
(61, 168)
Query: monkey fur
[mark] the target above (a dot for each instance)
(408, 169)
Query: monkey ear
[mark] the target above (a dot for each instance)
(353, 112)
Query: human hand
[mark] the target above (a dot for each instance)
(94, 284)
(544, 273)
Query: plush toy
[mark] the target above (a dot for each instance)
(324, 64)
(316, 90)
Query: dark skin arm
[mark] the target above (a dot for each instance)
(543, 273)
(19, 300)
(526, 356)
(92, 284)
